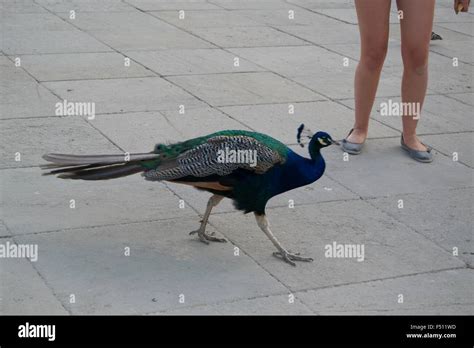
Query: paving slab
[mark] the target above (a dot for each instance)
(443, 216)
(390, 170)
(439, 115)
(201, 121)
(459, 28)
(465, 98)
(34, 203)
(326, 116)
(270, 305)
(324, 31)
(250, 4)
(449, 144)
(38, 136)
(317, 4)
(447, 15)
(446, 78)
(21, 95)
(244, 88)
(293, 15)
(13, 75)
(85, 6)
(247, 37)
(139, 132)
(3, 230)
(20, 6)
(151, 5)
(294, 61)
(439, 293)
(21, 35)
(192, 62)
(204, 19)
(23, 291)
(393, 58)
(462, 50)
(338, 84)
(135, 31)
(136, 131)
(130, 94)
(73, 66)
(391, 249)
(164, 262)
(349, 15)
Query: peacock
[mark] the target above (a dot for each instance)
(245, 166)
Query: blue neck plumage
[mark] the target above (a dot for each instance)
(299, 171)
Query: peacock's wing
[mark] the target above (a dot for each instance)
(221, 155)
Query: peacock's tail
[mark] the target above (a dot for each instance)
(96, 167)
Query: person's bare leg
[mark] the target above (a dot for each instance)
(416, 27)
(373, 19)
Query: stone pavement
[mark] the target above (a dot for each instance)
(229, 64)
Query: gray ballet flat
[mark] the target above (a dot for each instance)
(420, 156)
(351, 148)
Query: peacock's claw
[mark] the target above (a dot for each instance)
(207, 237)
(290, 257)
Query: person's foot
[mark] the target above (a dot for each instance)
(414, 143)
(357, 136)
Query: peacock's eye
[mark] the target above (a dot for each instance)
(322, 142)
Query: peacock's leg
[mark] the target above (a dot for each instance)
(282, 253)
(203, 236)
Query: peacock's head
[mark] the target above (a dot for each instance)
(323, 139)
(318, 140)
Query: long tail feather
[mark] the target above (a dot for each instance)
(104, 173)
(95, 167)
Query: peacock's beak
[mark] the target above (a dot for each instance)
(335, 142)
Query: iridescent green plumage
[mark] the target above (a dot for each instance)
(198, 162)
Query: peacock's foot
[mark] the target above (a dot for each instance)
(290, 257)
(207, 237)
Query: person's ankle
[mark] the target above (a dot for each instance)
(358, 135)
(411, 140)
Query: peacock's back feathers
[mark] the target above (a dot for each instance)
(201, 157)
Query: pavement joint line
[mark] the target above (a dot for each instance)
(460, 101)
(230, 240)
(104, 78)
(259, 264)
(412, 229)
(38, 84)
(43, 279)
(418, 193)
(219, 73)
(443, 55)
(98, 79)
(450, 156)
(227, 50)
(319, 13)
(224, 302)
(164, 78)
(380, 279)
(14, 55)
(369, 199)
(125, 223)
(456, 31)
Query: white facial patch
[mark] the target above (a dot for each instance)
(321, 141)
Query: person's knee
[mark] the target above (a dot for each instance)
(373, 57)
(415, 58)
